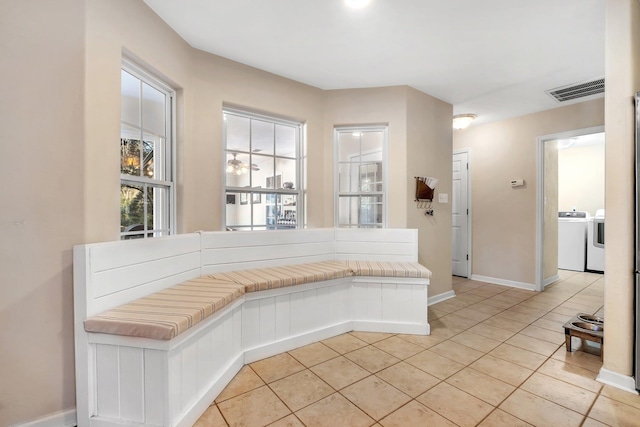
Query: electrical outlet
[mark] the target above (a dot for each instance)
(443, 198)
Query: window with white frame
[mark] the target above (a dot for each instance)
(360, 182)
(262, 172)
(146, 155)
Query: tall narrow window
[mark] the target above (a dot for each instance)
(263, 173)
(146, 152)
(360, 177)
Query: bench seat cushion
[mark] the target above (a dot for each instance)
(165, 314)
(261, 279)
(389, 269)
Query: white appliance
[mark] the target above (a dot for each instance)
(595, 242)
(572, 240)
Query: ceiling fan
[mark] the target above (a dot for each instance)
(237, 167)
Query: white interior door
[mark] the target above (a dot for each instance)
(460, 212)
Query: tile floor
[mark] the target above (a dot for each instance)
(496, 357)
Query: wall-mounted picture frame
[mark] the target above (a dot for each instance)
(231, 199)
(244, 198)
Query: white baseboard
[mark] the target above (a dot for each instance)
(512, 283)
(614, 379)
(441, 297)
(550, 280)
(59, 419)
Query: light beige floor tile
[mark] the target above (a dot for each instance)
(525, 358)
(457, 352)
(579, 358)
(313, 354)
(546, 306)
(518, 317)
(301, 389)
(439, 329)
(523, 309)
(434, 364)
(340, 372)
(372, 358)
(344, 343)
(424, 341)
(565, 311)
(375, 397)
(482, 386)
(485, 308)
(244, 381)
(557, 317)
(408, 378)
(549, 324)
(334, 410)
(501, 369)
(370, 337)
(490, 331)
(500, 418)
(543, 334)
(398, 347)
(454, 321)
(435, 313)
(504, 323)
(455, 405)
(415, 414)
(276, 367)
(590, 422)
(478, 316)
(538, 411)
(564, 394)
(257, 407)
(288, 421)
(469, 298)
(476, 342)
(535, 345)
(621, 396)
(614, 413)
(500, 302)
(572, 374)
(211, 418)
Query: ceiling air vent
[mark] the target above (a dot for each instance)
(577, 90)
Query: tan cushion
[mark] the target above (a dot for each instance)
(167, 313)
(261, 279)
(389, 269)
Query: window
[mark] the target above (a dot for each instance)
(262, 169)
(360, 177)
(146, 153)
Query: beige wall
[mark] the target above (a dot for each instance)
(622, 65)
(62, 162)
(41, 202)
(581, 178)
(504, 218)
(429, 153)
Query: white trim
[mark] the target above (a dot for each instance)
(504, 282)
(469, 199)
(614, 379)
(551, 280)
(441, 297)
(539, 267)
(59, 419)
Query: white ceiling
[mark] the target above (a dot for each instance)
(494, 58)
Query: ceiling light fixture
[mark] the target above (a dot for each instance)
(462, 121)
(357, 4)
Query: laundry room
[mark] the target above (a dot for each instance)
(580, 193)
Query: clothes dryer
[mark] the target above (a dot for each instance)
(572, 240)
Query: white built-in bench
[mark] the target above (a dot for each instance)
(163, 324)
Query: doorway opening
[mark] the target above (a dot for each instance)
(570, 181)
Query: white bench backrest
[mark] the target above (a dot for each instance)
(385, 244)
(113, 273)
(226, 251)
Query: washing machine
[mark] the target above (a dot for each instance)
(572, 240)
(595, 242)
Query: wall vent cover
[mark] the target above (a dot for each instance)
(577, 90)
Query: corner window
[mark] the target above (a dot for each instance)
(360, 181)
(146, 153)
(262, 172)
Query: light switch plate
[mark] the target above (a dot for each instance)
(443, 198)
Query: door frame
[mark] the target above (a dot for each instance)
(540, 141)
(469, 198)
